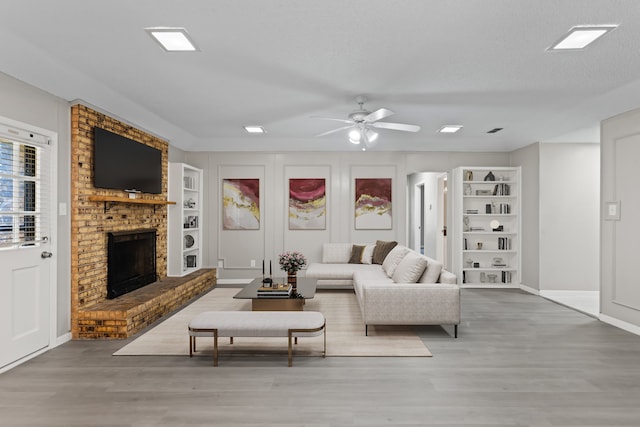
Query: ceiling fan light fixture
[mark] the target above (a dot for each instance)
(450, 128)
(355, 136)
(372, 135)
(581, 36)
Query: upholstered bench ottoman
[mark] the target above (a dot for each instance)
(291, 324)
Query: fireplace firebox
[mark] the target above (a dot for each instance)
(131, 261)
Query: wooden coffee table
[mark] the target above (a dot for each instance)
(306, 289)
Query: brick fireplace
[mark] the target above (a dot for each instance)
(92, 314)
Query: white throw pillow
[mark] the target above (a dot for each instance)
(432, 272)
(336, 253)
(410, 268)
(392, 260)
(367, 255)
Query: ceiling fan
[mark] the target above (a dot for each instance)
(361, 122)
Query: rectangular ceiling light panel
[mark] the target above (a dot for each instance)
(450, 128)
(580, 37)
(172, 39)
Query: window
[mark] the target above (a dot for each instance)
(23, 190)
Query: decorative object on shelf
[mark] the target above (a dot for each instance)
(476, 265)
(484, 192)
(465, 220)
(492, 278)
(291, 262)
(189, 241)
(190, 204)
(191, 261)
(494, 224)
(483, 277)
(468, 175)
(479, 245)
(467, 190)
(307, 204)
(373, 204)
(192, 221)
(241, 204)
(490, 177)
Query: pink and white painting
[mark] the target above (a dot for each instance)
(373, 204)
(307, 204)
(241, 204)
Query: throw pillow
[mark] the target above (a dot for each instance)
(381, 251)
(356, 254)
(410, 268)
(432, 272)
(367, 254)
(393, 259)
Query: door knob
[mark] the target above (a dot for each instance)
(46, 254)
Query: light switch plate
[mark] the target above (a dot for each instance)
(612, 211)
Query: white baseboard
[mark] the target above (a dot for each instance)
(63, 339)
(530, 290)
(634, 329)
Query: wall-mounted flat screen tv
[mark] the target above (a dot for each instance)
(123, 164)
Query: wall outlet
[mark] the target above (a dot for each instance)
(253, 263)
(220, 263)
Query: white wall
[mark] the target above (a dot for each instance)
(33, 106)
(620, 156)
(569, 216)
(528, 159)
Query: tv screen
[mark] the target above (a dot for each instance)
(123, 164)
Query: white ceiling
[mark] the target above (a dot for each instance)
(275, 63)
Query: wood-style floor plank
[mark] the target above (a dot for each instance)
(520, 360)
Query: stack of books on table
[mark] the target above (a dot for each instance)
(277, 290)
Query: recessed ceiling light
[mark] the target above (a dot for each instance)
(450, 128)
(581, 36)
(172, 39)
(255, 129)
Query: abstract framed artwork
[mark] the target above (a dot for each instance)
(307, 204)
(373, 204)
(241, 204)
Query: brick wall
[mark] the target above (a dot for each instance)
(89, 221)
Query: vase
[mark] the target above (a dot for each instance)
(292, 278)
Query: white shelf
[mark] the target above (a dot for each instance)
(185, 185)
(464, 198)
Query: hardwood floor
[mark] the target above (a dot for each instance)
(520, 360)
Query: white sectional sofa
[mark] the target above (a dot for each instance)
(407, 288)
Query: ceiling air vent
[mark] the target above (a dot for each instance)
(495, 130)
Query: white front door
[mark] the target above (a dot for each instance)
(26, 261)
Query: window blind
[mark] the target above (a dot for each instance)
(24, 189)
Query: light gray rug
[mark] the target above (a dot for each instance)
(345, 331)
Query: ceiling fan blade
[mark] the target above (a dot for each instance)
(396, 126)
(331, 118)
(378, 115)
(335, 130)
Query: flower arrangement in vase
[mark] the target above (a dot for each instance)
(291, 262)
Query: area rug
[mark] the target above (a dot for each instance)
(344, 329)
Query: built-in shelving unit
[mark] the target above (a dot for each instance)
(184, 253)
(486, 226)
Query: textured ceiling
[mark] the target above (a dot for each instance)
(276, 63)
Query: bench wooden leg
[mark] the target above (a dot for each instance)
(230, 340)
(191, 345)
(290, 349)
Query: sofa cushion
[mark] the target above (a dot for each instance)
(367, 254)
(336, 253)
(410, 268)
(393, 259)
(338, 271)
(381, 251)
(356, 254)
(432, 272)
